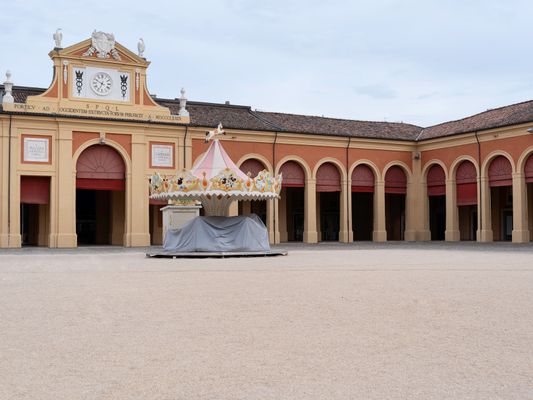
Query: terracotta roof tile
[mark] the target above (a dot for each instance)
(498, 117)
(342, 127)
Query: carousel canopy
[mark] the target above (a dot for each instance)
(215, 181)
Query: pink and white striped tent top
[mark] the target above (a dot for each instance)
(215, 160)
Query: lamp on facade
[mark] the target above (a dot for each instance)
(530, 130)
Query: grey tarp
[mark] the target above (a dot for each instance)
(217, 234)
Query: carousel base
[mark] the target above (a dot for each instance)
(216, 254)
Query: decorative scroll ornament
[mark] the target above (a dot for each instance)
(103, 44)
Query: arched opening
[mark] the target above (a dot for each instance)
(247, 207)
(501, 198)
(100, 196)
(291, 204)
(528, 172)
(35, 210)
(362, 202)
(466, 189)
(395, 193)
(436, 189)
(328, 188)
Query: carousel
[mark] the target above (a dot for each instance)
(215, 182)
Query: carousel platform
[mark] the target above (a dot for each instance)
(214, 254)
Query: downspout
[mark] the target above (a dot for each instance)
(348, 189)
(9, 182)
(185, 146)
(274, 173)
(479, 180)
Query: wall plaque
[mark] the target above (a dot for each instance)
(162, 155)
(36, 150)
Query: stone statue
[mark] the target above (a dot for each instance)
(141, 47)
(8, 87)
(58, 37)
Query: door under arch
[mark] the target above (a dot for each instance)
(100, 196)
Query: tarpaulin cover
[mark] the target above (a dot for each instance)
(219, 234)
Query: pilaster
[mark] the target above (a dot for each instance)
(484, 211)
(520, 209)
(452, 233)
(380, 233)
(310, 225)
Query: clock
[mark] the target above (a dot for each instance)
(101, 83)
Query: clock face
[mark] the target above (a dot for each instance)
(101, 83)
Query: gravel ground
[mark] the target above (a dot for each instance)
(365, 321)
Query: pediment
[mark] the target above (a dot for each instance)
(86, 51)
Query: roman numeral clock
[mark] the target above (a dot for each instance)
(101, 84)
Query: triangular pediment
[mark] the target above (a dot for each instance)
(86, 51)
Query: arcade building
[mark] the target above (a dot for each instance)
(76, 158)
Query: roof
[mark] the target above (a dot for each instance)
(342, 127)
(513, 114)
(243, 117)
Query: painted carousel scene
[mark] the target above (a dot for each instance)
(222, 200)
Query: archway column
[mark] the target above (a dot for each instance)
(411, 212)
(137, 207)
(270, 220)
(452, 233)
(344, 235)
(63, 232)
(310, 228)
(281, 233)
(520, 213)
(380, 233)
(348, 197)
(484, 214)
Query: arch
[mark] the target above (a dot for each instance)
(466, 176)
(395, 180)
(331, 160)
(293, 174)
(100, 167)
(436, 180)
(297, 159)
(263, 159)
(252, 166)
(400, 164)
(458, 161)
(528, 169)
(328, 178)
(363, 179)
(523, 159)
(432, 163)
(491, 156)
(100, 162)
(500, 172)
(369, 164)
(121, 150)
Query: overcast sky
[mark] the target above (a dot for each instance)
(416, 61)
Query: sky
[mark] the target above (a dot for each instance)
(423, 62)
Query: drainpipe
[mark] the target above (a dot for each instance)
(274, 173)
(9, 182)
(348, 189)
(479, 180)
(185, 147)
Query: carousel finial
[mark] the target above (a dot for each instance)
(211, 134)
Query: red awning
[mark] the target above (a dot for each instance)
(35, 189)
(436, 181)
(328, 178)
(500, 172)
(292, 175)
(101, 184)
(395, 181)
(362, 179)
